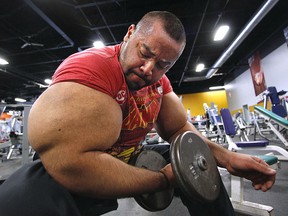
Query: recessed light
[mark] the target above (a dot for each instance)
(98, 44)
(3, 61)
(200, 67)
(216, 87)
(221, 32)
(20, 100)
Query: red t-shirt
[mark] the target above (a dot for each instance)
(101, 70)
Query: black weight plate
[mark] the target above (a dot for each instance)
(157, 201)
(195, 168)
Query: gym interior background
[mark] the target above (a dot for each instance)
(37, 35)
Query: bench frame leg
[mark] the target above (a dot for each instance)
(242, 206)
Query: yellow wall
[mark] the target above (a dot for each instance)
(195, 101)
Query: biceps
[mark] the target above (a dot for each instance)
(172, 116)
(81, 119)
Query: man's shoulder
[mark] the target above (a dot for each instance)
(106, 57)
(104, 52)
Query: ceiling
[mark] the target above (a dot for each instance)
(37, 35)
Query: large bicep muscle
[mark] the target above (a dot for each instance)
(73, 114)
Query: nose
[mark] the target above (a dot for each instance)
(147, 67)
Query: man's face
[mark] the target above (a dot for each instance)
(146, 55)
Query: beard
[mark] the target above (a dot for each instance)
(135, 81)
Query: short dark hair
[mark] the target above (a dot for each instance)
(171, 24)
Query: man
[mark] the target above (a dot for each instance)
(95, 115)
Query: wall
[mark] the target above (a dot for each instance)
(195, 101)
(275, 65)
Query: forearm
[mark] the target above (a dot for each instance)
(219, 152)
(100, 175)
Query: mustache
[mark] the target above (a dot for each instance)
(141, 75)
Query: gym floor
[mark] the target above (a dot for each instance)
(276, 197)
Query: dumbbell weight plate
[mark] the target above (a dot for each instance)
(157, 201)
(194, 167)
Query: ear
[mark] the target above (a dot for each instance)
(130, 31)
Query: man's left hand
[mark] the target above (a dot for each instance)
(253, 169)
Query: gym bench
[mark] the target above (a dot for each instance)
(237, 183)
(237, 193)
(271, 120)
(5, 145)
(262, 145)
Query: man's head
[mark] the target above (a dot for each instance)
(151, 48)
(170, 23)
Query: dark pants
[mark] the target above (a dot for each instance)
(30, 191)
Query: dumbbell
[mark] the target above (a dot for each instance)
(193, 166)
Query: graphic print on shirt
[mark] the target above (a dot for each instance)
(121, 96)
(143, 109)
(140, 111)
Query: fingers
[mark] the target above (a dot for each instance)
(263, 182)
(264, 177)
(263, 167)
(263, 186)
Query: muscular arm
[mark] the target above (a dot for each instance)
(69, 126)
(172, 121)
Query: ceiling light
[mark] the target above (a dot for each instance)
(3, 61)
(200, 67)
(48, 81)
(221, 32)
(216, 87)
(19, 100)
(98, 44)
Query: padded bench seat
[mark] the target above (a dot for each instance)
(257, 143)
(269, 159)
(272, 115)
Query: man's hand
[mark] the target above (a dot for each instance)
(168, 172)
(253, 169)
